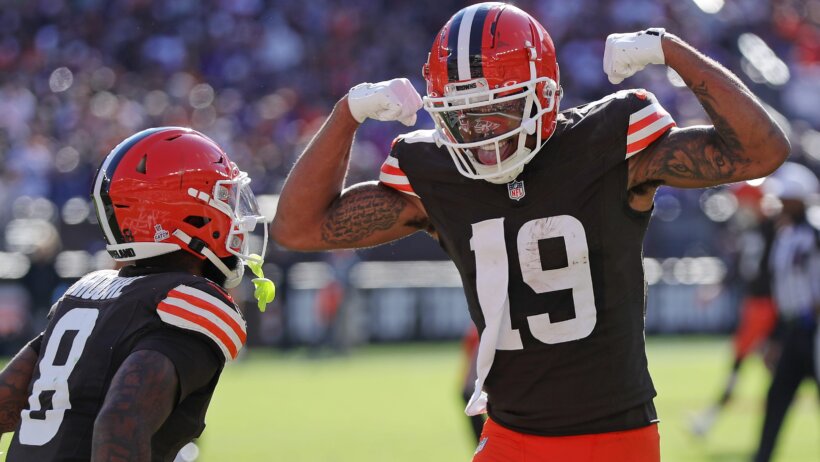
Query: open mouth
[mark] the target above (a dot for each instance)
(486, 154)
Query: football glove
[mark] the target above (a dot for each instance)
(626, 54)
(389, 100)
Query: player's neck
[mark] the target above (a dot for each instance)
(175, 261)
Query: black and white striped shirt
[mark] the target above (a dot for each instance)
(795, 266)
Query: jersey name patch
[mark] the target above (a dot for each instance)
(100, 286)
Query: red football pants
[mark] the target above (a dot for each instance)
(499, 444)
(758, 316)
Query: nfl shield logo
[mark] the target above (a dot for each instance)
(516, 190)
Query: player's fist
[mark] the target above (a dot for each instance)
(389, 100)
(626, 54)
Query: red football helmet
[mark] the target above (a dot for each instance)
(170, 188)
(491, 76)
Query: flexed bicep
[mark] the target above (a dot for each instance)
(693, 157)
(744, 141)
(315, 212)
(369, 214)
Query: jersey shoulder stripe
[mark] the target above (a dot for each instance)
(193, 309)
(646, 124)
(392, 176)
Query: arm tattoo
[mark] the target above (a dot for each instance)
(360, 213)
(14, 384)
(703, 155)
(693, 154)
(141, 396)
(731, 144)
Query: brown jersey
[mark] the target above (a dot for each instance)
(552, 267)
(92, 329)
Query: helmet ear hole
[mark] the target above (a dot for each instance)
(141, 165)
(196, 221)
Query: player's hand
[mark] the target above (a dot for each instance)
(626, 54)
(389, 100)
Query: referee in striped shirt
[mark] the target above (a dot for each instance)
(795, 268)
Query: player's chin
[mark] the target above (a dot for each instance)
(487, 154)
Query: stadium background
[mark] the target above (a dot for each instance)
(259, 77)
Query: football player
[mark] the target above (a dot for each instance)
(129, 360)
(543, 213)
(757, 311)
(794, 264)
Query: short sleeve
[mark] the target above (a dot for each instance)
(648, 121)
(205, 309)
(195, 361)
(36, 343)
(391, 174)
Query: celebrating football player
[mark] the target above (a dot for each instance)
(543, 212)
(129, 360)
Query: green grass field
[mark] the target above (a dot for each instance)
(402, 403)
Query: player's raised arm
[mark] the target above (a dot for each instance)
(315, 212)
(743, 143)
(142, 395)
(14, 383)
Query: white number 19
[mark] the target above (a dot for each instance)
(492, 265)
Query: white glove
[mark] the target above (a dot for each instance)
(389, 100)
(626, 54)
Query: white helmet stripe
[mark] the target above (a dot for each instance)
(463, 47)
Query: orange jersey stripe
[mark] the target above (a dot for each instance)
(391, 170)
(400, 187)
(645, 122)
(644, 142)
(202, 322)
(199, 303)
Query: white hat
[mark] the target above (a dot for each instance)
(792, 181)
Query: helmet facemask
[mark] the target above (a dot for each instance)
(235, 198)
(486, 130)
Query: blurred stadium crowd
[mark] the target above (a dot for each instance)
(259, 77)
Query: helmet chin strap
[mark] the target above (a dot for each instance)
(232, 277)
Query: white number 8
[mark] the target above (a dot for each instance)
(49, 395)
